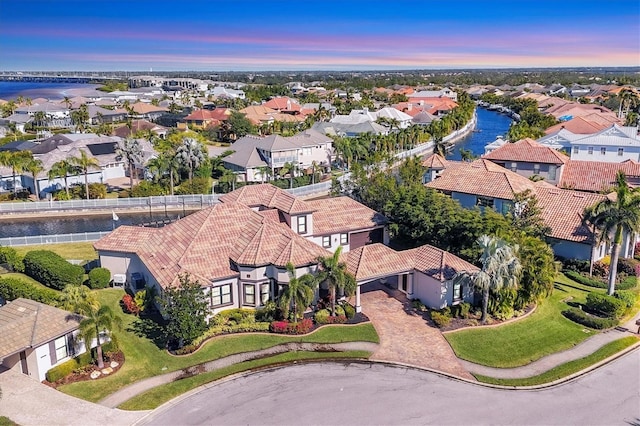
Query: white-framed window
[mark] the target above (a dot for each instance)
(302, 224)
(576, 149)
(603, 150)
(326, 241)
(484, 202)
(590, 150)
(514, 167)
(265, 293)
(306, 151)
(221, 295)
(249, 294)
(457, 291)
(620, 152)
(60, 345)
(536, 169)
(344, 239)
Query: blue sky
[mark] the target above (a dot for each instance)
(311, 35)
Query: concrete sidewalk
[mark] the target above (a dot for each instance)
(542, 365)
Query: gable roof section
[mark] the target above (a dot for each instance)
(269, 196)
(342, 214)
(596, 176)
(26, 324)
(482, 177)
(577, 125)
(435, 161)
(612, 136)
(527, 150)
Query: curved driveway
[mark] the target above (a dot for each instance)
(376, 394)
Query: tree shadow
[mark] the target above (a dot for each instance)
(151, 328)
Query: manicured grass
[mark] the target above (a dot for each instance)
(77, 251)
(566, 369)
(161, 394)
(544, 332)
(145, 359)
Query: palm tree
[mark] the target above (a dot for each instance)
(63, 169)
(17, 160)
(613, 217)
(500, 268)
(84, 163)
(291, 169)
(130, 150)
(98, 321)
(165, 163)
(190, 154)
(265, 172)
(334, 273)
(78, 299)
(298, 293)
(229, 177)
(34, 166)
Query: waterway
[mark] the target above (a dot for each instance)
(491, 124)
(10, 90)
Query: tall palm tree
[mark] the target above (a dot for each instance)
(191, 155)
(229, 177)
(85, 163)
(500, 268)
(17, 160)
(78, 299)
(165, 163)
(334, 274)
(130, 150)
(98, 321)
(63, 169)
(34, 166)
(291, 169)
(613, 217)
(265, 172)
(298, 294)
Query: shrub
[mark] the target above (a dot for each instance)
(129, 305)
(606, 305)
(218, 330)
(147, 189)
(321, 317)
(591, 282)
(418, 305)
(636, 251)
(234, 316)
(440, 319)
(279, 326)
(629, 266)
(61, 371)
(349, 311)
(13, 288)
(339, 311)
(51, 269)
(461, 310)
(628, 283)
(285, 327)
(600, 269)
(627, 296)
(577, 315)
(575, 265)
(9, 256)
(99, 278)
(268, 313)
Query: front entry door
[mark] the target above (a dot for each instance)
(23, 363)
(404, 283)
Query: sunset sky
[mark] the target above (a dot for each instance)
(241, 35)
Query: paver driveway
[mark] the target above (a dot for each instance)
(405, 336)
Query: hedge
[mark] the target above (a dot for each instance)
(99, 278)
(13, 288)
(627, 296)
(626, 284)
(10, 256)
(607, 305)
(577, 315)
(51, 269)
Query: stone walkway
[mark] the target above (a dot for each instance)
(405, 336)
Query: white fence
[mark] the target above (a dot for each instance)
(52, 239)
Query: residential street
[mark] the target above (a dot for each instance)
(376, 394)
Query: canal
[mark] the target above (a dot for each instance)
(491, 124)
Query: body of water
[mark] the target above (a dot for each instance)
(491, 124)
(12, 89)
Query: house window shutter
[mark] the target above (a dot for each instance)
(52, 352)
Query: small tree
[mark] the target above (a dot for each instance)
(98, 321)
(334, 273)
(186, 308)
(78, 299)
(298, 293)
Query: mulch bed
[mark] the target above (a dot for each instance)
(472, 321)
(84, 374)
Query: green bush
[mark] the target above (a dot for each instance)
(339, 311)
(628, 297)
(418, 305)
(628, 283)
(575, 265)
(234, 317)
(147, 189)
(580, 317)
(349, 311)
(63, 370)
(10, 256)
(268, 313)
(461, 310)
(606, 305)
(99, 278)
(591, 282)
(217, 330)
(322, 316)
(51, 269)
(13, 288)
(440, 319)
(629, 266)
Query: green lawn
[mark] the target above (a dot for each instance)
(76, 251)
(146, 359)
(25, 278)
(566, 369)
(161, 394)
(544, 332)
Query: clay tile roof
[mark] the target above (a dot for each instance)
(342, 214)
(435, 161)
(438, 263)
(26, 324)
(124, 238)
(596, 176)
(483, 178)
(562, 211)
(267, 195)
(527, 150)
(578, 125)
(143, 108)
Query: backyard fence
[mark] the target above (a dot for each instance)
(52, 239)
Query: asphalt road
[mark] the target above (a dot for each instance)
(351, 394)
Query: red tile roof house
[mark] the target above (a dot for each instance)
(35, 337)
(238, 249)
(487, 185)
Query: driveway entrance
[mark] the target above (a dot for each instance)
(405, 336)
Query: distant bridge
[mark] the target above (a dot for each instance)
(61, 77)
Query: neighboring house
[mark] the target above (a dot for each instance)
(614, 144)
(597, 176)
(284, 105)
(99, 115)
(148, 111)
(144, 126)
(394, 117)
(442, 93)
(274, 151)
(35, 337)
(220, 92)
(203, 118)
(529, 158)
(578, 126)
(350, 130)
(492, 146)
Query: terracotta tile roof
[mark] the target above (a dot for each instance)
(435, 161)
(283, 103)
(577, 125)
(144, 108)
(527, 150)
(272, 214)
(342, 214)
(481, 177)
(562, 211)
(26, 324)
(125, 238)
(377, 260)
(267, 195)
(596, 176)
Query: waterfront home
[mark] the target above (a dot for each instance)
(141, 126)
(35, 337)
(203, 118)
